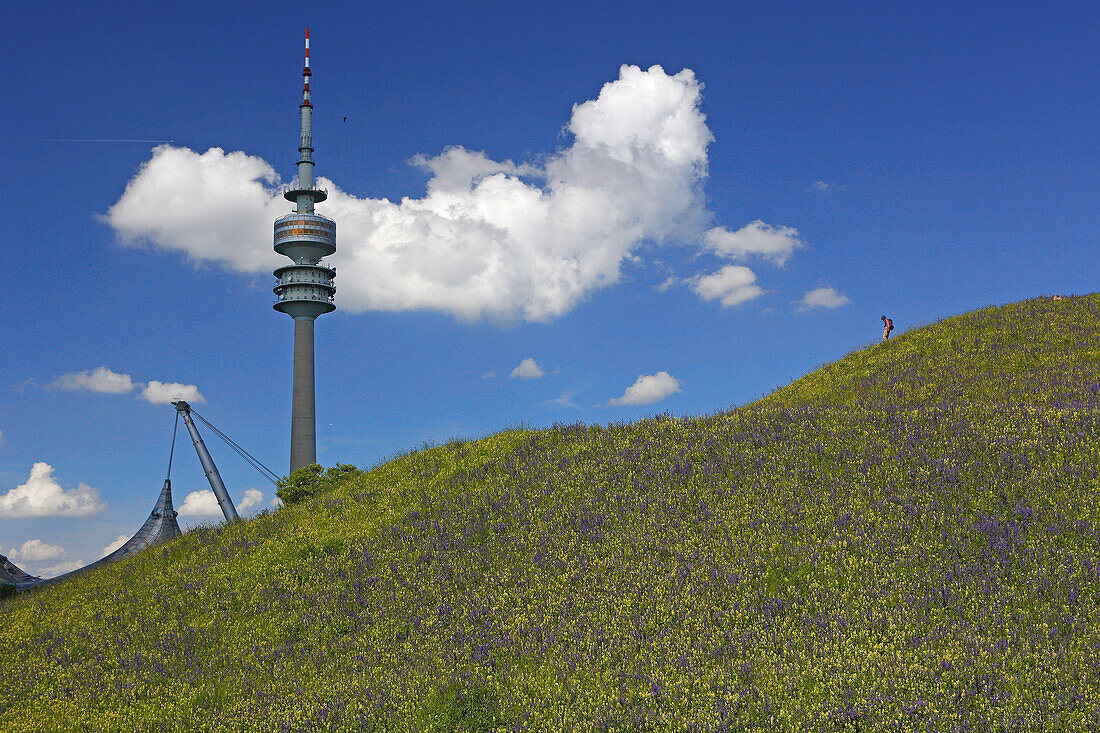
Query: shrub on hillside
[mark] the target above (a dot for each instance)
(312, 480)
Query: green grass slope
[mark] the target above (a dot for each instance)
(906, 540)
(1041, 351)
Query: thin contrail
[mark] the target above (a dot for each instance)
(88, 140)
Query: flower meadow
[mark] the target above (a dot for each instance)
(906, 540)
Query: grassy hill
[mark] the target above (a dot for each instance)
(908, 539)
(1035, 352)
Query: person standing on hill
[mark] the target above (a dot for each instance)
(887, 327)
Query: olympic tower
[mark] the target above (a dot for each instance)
(305, 287)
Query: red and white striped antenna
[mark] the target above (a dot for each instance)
(305, 75)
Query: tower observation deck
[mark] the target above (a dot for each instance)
(305, 287)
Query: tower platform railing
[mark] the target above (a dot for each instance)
(292, 189)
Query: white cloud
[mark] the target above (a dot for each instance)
(489, 375)
(212, 206)
(565, 400)
(163, 393)
(455, 167)
(527, 369)
(100, 379)
(205, 504)
(115, 544)
(200, 504)
(62, 568)
(757, 238)
(42, 496)
(36, 551)
(1, 437)
(488, 239)
(668, 283)
(649, 388)
(252, 497)
(823, 298)
(826, 187)
(731, 285)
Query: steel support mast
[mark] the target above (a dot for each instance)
(207, 462)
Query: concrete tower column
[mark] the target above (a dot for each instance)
(303, 412)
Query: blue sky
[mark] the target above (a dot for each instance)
(647, 237)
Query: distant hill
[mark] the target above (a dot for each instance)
(907, 539)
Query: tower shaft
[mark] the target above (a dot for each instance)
(303, 417)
